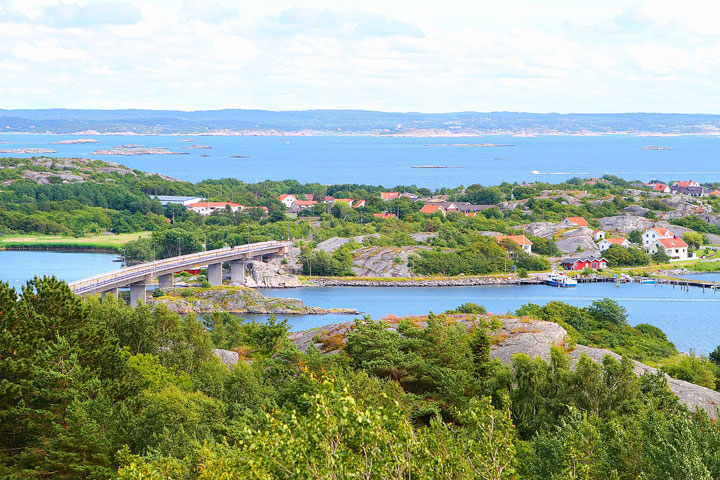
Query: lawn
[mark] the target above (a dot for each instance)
(112, 242)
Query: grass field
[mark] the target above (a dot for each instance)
(109, 242)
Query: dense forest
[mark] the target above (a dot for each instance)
(97, 389)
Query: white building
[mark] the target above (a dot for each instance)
(654, 234)
(675, 248)
(206, 208)
(606, 243)
(598, 235)
(287, 199)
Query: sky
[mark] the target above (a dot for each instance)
(391, 55)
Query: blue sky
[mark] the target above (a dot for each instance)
(392, 55)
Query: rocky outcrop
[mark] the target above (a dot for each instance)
(333, 243)
(383, 261)
(534, 338)
(636, 210)
(544, 229)
(237, 300)
(269, 275)
(422, 237)
(228, 357)
(577, 240)
(625, 223)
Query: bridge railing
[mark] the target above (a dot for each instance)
(128, 273)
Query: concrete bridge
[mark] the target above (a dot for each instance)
(137, 277)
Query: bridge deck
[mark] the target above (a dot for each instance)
(125, 276)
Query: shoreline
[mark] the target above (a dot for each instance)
(418, 281)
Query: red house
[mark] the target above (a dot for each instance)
(582, 263)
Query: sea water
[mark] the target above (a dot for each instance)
(392, 161)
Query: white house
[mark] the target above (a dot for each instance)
(206, 208)
(521, 240)
(598, 235)
(675, 248)
(606, 243)
(654, 234)
(287, 199)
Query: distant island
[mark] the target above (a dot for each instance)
(351, 122)
(137, 150)
(656, 147)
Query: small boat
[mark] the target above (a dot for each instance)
(560, 280)
(535, 172)
(648, 281)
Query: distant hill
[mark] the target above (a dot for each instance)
(348, 122)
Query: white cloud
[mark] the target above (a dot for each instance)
(401, 55)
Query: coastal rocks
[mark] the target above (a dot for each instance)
(577, 240)
(28, 150)
(535, 339)
(421, 282)
(44, 178)
(624, 223)
(333, 243)
(136, 150)
(237, 300)
(269, 275)
(78, 141)
(383, 261)
(544, 229)
(636, 210)
(422, 237)
(228, 357)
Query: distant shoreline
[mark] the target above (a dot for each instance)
(418, 134)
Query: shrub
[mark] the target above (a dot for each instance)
(186, 292)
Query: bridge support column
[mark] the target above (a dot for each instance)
(137, 293)
(215, 274)
(237, 271)
(112, 291)
(166, 281)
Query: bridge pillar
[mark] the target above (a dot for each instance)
(112, 291)
(137, 293)
(166, 281)
(237, 271)
(215, 274)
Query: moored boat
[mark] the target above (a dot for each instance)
(560, 280)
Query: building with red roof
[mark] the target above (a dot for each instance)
(287, 199)
(384, 215)
(206, 208)
(606, 243)
(579, 221)
(675, 248)
(654, 234)
(520, 240)
(389, 195)
(430, 209)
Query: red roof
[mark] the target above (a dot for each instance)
(431, 209)
(389, 195)
(579, 221)
(617, 240)
(285, 195)
(519, 239)
(673, 242)
(213, 205)
(384, 215)
(662, 231)
(689, 183)
(305, 203)
(715, 193)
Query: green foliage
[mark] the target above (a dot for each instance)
(618, 256)
(469, 307)
(604, 324)
(660, 256)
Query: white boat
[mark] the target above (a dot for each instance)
(560, 280)
(535, 172)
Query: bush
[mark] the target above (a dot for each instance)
(157, 293)
(469, 307)
(186, 292)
